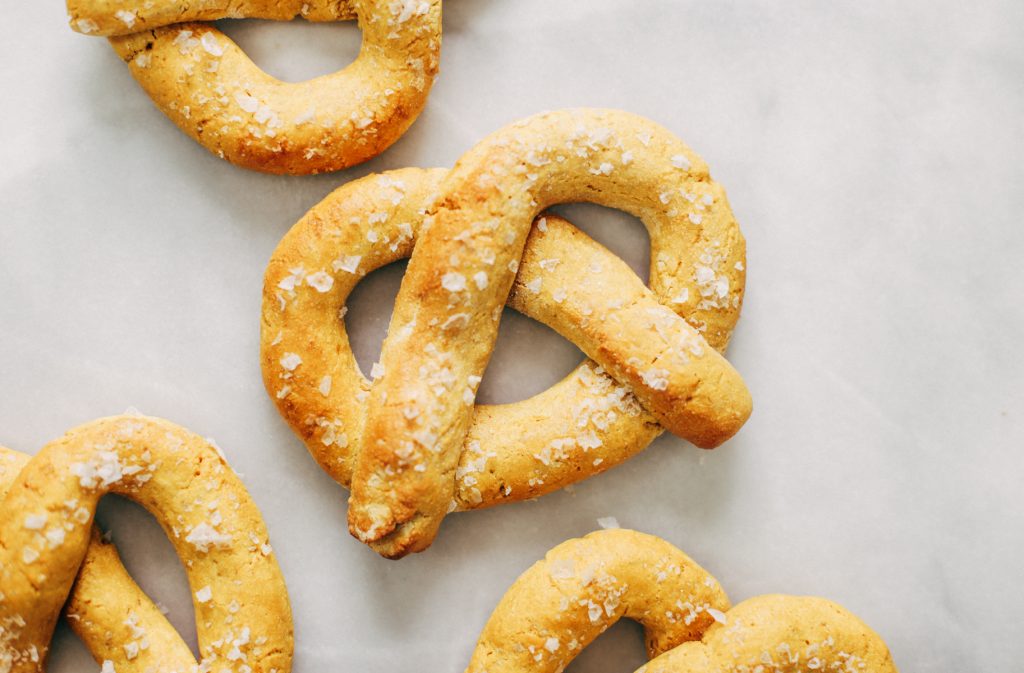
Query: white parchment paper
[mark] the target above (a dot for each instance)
(871, 150)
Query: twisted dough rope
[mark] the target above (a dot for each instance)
(581, 426)
(312, 375)
(447, 311)
(583, 586)
(207, 85)
(46, 508)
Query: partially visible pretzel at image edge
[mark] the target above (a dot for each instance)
(583, 586)
(413, 451)
(207, 85)
(50, 552)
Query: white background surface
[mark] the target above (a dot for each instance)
(872, 153)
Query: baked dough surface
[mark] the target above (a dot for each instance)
(207, 85)
(583, 586)
(414, 447)
(51, 553)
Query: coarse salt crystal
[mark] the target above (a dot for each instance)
(247, 102)
(453, 282)
(55, 536)
(87, 26)
(680, 161)
(321, 281)
(349, 263)
(211, 45)
(704, 275)
(655, 378)
(204, 536)
(126, 17)
(294, 277)
(290, 361)
(103, 470)
(185, 41)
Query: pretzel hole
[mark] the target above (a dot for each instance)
(622, 233)
(151, 561)
(369, 311)
(297, 50)
(529, 357)
(620, 648)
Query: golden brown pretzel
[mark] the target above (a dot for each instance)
(583, 586)
(46, 538)
(201, 79)
(581, 426)
(513, 451)
(447, 312)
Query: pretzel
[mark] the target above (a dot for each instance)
(207, 85)
(583, 425)
(583, 586)
(479, 224)
(47, 504)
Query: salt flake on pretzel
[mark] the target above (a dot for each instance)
(49, 549)
(207, 85)
(462, 270)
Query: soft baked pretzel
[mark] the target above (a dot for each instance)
(463, 268)
(581, 426)
(207, 85)
(513, 451)
(47, 504)
(583, 586)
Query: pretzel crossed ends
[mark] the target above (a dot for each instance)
(207, 85)
(243, 618)
(412, 446)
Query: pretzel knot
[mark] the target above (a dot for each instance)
(583, 586)
(413, 447)
(207, 85)
(47, 505)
